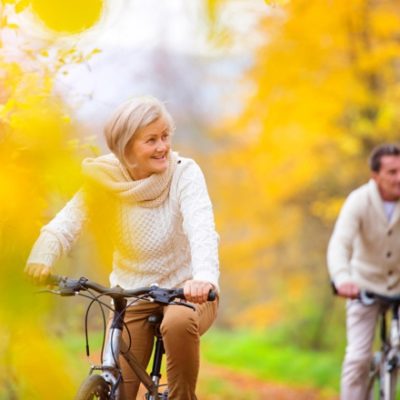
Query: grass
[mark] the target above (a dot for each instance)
(264, 358)
(257, 354)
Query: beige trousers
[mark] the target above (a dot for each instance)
(181, 329)
(361, 322)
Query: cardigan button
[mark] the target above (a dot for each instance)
(388, 254)
(390, 272)
(389, 232)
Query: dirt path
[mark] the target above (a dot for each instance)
(239, 386)
(220, 383)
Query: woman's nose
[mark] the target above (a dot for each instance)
(161, 145)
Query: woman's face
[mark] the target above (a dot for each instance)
(148, 150)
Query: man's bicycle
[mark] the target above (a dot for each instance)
(103, 381)
(386, 361)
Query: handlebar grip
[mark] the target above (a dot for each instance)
(53, 280)
(180, 294)
(65, 286)
(212, 294)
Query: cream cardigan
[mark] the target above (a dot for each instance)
(167, 244)
(365, 246)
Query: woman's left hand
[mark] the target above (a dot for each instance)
(197, 291)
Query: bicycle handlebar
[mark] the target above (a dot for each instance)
(367, 297)
(69, 287)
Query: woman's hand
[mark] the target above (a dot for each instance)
(197, 291)
(349, 290)
(38, 273)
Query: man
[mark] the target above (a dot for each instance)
(364, 253)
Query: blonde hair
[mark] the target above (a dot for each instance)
(131, 116)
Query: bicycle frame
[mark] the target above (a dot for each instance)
(386, 361)
(110, 365)
(106, 384)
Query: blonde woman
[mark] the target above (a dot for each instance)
(163, 232)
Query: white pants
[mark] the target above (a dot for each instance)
(361, 323)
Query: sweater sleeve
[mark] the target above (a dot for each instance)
(58, 236)
(198, 224)
(340, 246)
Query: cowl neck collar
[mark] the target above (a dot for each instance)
(108, 172)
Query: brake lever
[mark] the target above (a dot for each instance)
(40, 291)
(63, 292)
(71, 287)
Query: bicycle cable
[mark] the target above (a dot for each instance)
(95, 299)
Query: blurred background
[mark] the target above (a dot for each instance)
(280, 102)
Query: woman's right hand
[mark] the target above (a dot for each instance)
(349, 290)
(38, 273)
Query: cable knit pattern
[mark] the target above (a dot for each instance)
(167, 244)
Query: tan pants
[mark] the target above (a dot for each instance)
(361, 323)
(181, 329)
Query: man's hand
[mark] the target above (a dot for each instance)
(348, 290)
(197, 291)
(38, 273)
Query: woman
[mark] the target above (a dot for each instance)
(163, 232)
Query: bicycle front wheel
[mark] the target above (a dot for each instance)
(390, 382)
(376, 378)
(94, 387)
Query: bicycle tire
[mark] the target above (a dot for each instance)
(94, 387)
(390, 384)
(375, 388)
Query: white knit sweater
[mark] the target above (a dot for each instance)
(167, 244)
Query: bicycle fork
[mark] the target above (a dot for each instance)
(110, 370)
(110, 365)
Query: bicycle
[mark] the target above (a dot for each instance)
(386, 361)
(104, 379)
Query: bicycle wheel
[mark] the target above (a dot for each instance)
(376, 378)
(94, 387)
(389, 384)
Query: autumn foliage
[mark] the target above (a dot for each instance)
(40, 152)
(323, 88)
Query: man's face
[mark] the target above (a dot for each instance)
(388, 178)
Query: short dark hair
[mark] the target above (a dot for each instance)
(380, 151)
